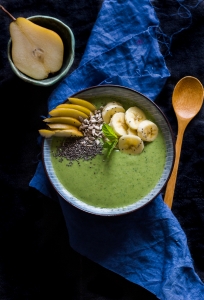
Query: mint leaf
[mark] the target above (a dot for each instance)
(108, 132)
(112, 146)
(107, 144)
(111, 139)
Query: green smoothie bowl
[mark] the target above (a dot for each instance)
(121, 155)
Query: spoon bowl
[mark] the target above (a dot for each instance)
(187, 100)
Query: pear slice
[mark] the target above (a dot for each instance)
(46, 133)
(36, 51)
(67, 112)
(82, 102)
(84, 109)
(58, 126)
(74, 132)
(63, 120)
(68, 133)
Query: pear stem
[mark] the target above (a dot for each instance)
(6, 11)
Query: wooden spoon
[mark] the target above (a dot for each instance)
(187, 101)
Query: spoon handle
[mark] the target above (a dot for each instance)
(169, 193)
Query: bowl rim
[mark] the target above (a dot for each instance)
(108, 212)
(47, 81)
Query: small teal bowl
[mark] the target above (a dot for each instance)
(68, 39)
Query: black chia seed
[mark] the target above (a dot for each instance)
(74, 149)
(87, 147)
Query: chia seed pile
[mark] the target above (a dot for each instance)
(86, 147)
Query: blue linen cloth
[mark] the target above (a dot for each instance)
(147, 247)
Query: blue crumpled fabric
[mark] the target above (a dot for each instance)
(147, 247)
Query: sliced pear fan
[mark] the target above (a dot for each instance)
(82, 102)
(58, 126)
(67, 112)
(84, 109)
(46, 133)
(69, 133)
(63, 120)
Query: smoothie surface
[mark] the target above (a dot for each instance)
(117, 182)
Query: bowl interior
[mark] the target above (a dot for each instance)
(120, 94)
(68, 39)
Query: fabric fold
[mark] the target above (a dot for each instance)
(136, 63)
(118, 21)
(147, 247)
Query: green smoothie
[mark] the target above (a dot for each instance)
(117, 182)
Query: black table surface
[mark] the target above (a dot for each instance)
(36, 260)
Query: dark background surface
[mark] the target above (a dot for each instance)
(36, 261)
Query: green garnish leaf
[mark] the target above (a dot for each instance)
(107, 144)
(111, 139)
(108, 132)
(110, 149)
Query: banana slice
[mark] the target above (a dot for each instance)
(133, 116)
(112, 103)
(110, 109)
(147, 130)
(118, 124)
(131, 131)
(130, 144)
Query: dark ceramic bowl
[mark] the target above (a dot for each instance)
(69, 46)
(123, 95)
